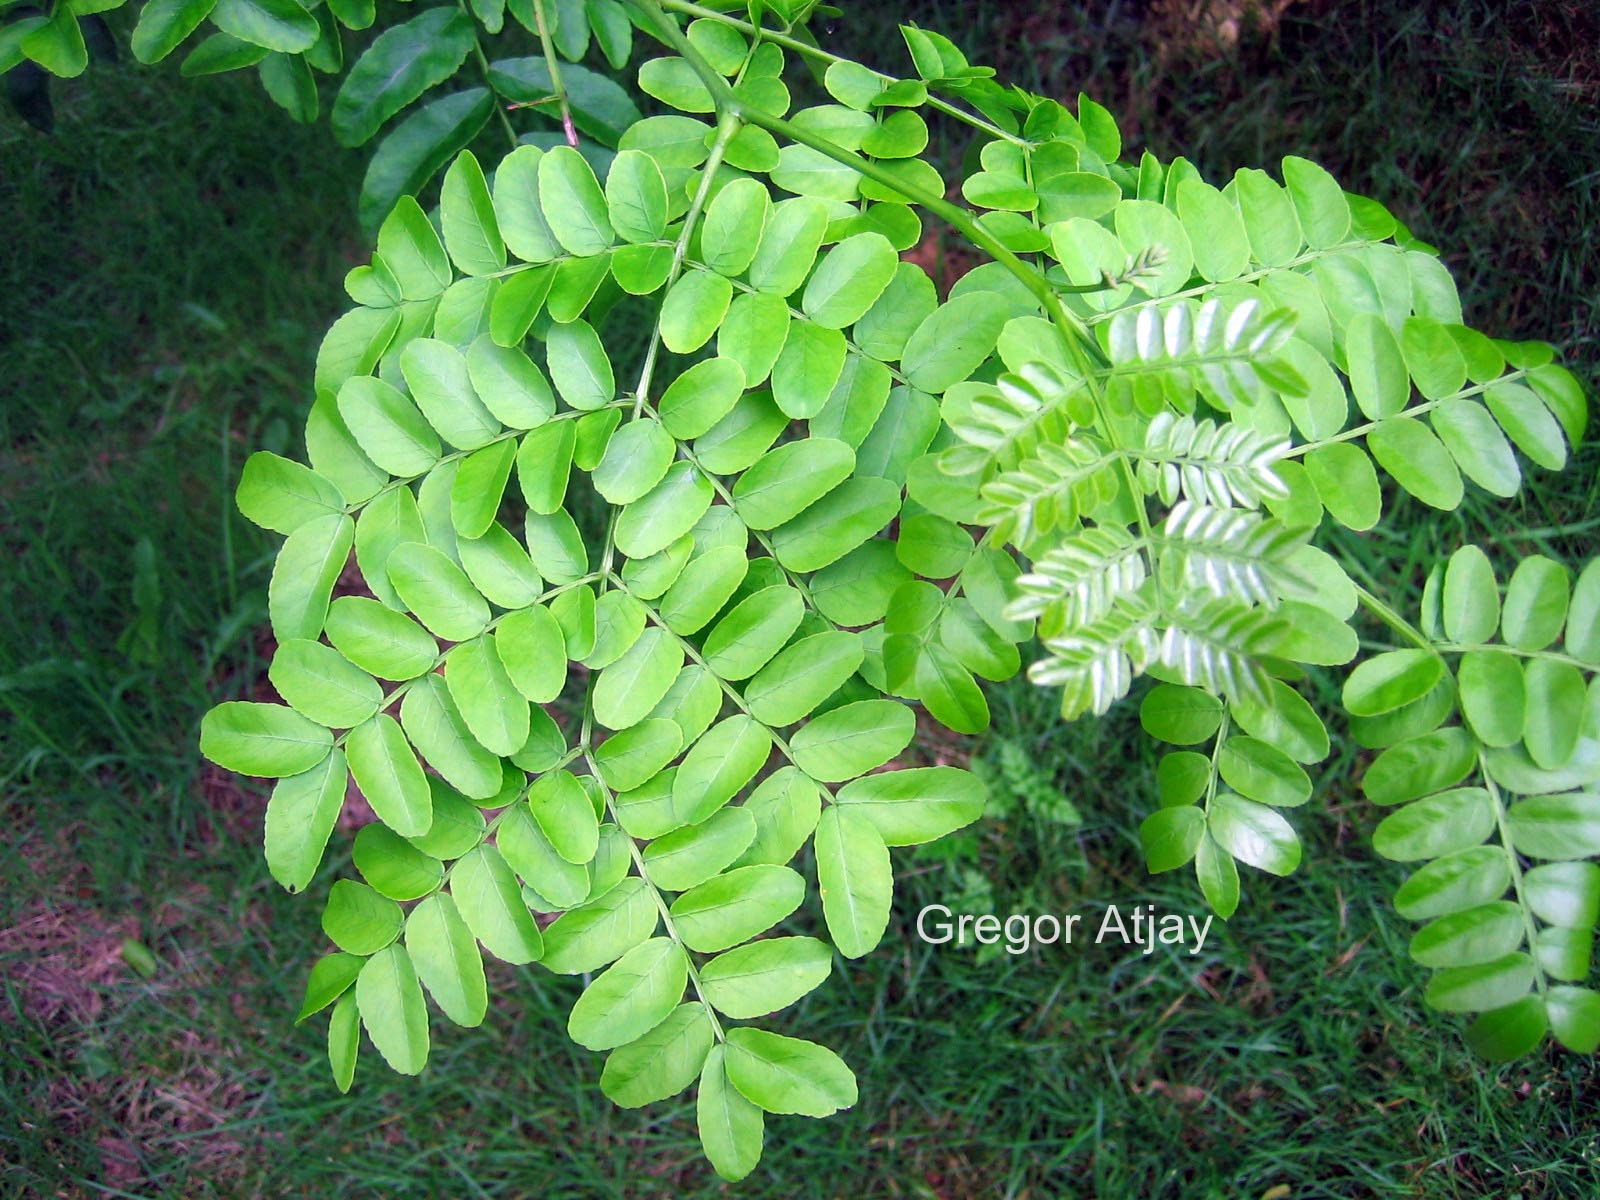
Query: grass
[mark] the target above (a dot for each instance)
(171, 264)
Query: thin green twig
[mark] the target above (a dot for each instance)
(548, 49)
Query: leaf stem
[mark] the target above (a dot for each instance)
(727, 127)
(1216, 756)
(1549, 655)
(655, 892)
(557, 89)
(1394, 620)
(1514, 863)
(1416, 410)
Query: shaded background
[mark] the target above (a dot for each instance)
(171, 257)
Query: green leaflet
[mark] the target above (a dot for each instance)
(757, 628)
(221, 52)
(635, 459)
(788, 1075)
(705, 585)
(724, 759)
(388, 427)
(1183, 716)
(164, 24)
(665, 513)
(631, 997)
(1384, 683)
(1217, 235)
(731, 231)
(752, 335)
(411, 250)
(573, 203)
(807, 369)
(274, 24)
(702, 396)
(693, 308)
(457, 826)
(485, 891)
(787, 480)
(281, 495)
(629, 688)
(730, 1126)
(855, 878)
(400, 64)
(565, 816)
(1260, 771)
(499, 567)
(508, 383)
(735, 906)
(389, 776)
(915, 805)
(951, 341)
(765, 976)
(848, 280)
(1346, 484)
(393, 866)
(788, 246)
(601, 931)
(447, 960)
(633, 757)
(1171, 837)
(358, 920)
(435, 726)
(620, 620)
(466, 212)
(377, 639)
(300, 817)
(685, 857)
(1470, 602)
(335, 455)
(544, 462)
(418, 148)
(852, 740)
(303, 577)
(833, 526)
(323, 685)
(516, 202)
(801, 677)
(262, 739)
(330, 978)
(437, 591)
(662, 1062)
(437, 375)
(558, 882)
(493, 708)
(579, 366)
(636, 197)
(1406, 449)
(344, 1040)
(532, 649)
(392, 1009)
(786, 807)
(1535, 604)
